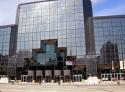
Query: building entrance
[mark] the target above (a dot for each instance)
(48, 79)
(24, 78)
(57, 78)
(77, 78)
(67, 78)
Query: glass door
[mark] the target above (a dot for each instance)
(77, 78)
(24, 78)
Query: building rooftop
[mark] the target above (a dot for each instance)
(111, 16)
(40, 1)
(36, 2)
(4, 26)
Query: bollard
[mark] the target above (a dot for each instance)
(39, 82)
(12, 81)
(59, 82)
(118, 83)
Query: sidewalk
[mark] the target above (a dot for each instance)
(102, 83)
(64, 87)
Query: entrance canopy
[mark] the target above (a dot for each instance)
(39, 73)
(30, 73)
(67, 72)
(57, 72)
(48, 73)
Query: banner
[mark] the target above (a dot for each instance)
(69, 62)
(121, 64)
(124, 64)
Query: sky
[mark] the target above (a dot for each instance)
(100, 8)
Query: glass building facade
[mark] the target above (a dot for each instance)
(7, 45)
(109, 34)
(55, 36)
(64, 20)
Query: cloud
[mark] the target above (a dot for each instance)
(2, 18)
(116, 10)
(5, 16)
(8, 10)
(97, 1)
(25, 1)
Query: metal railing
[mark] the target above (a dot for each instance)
(112, 76)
